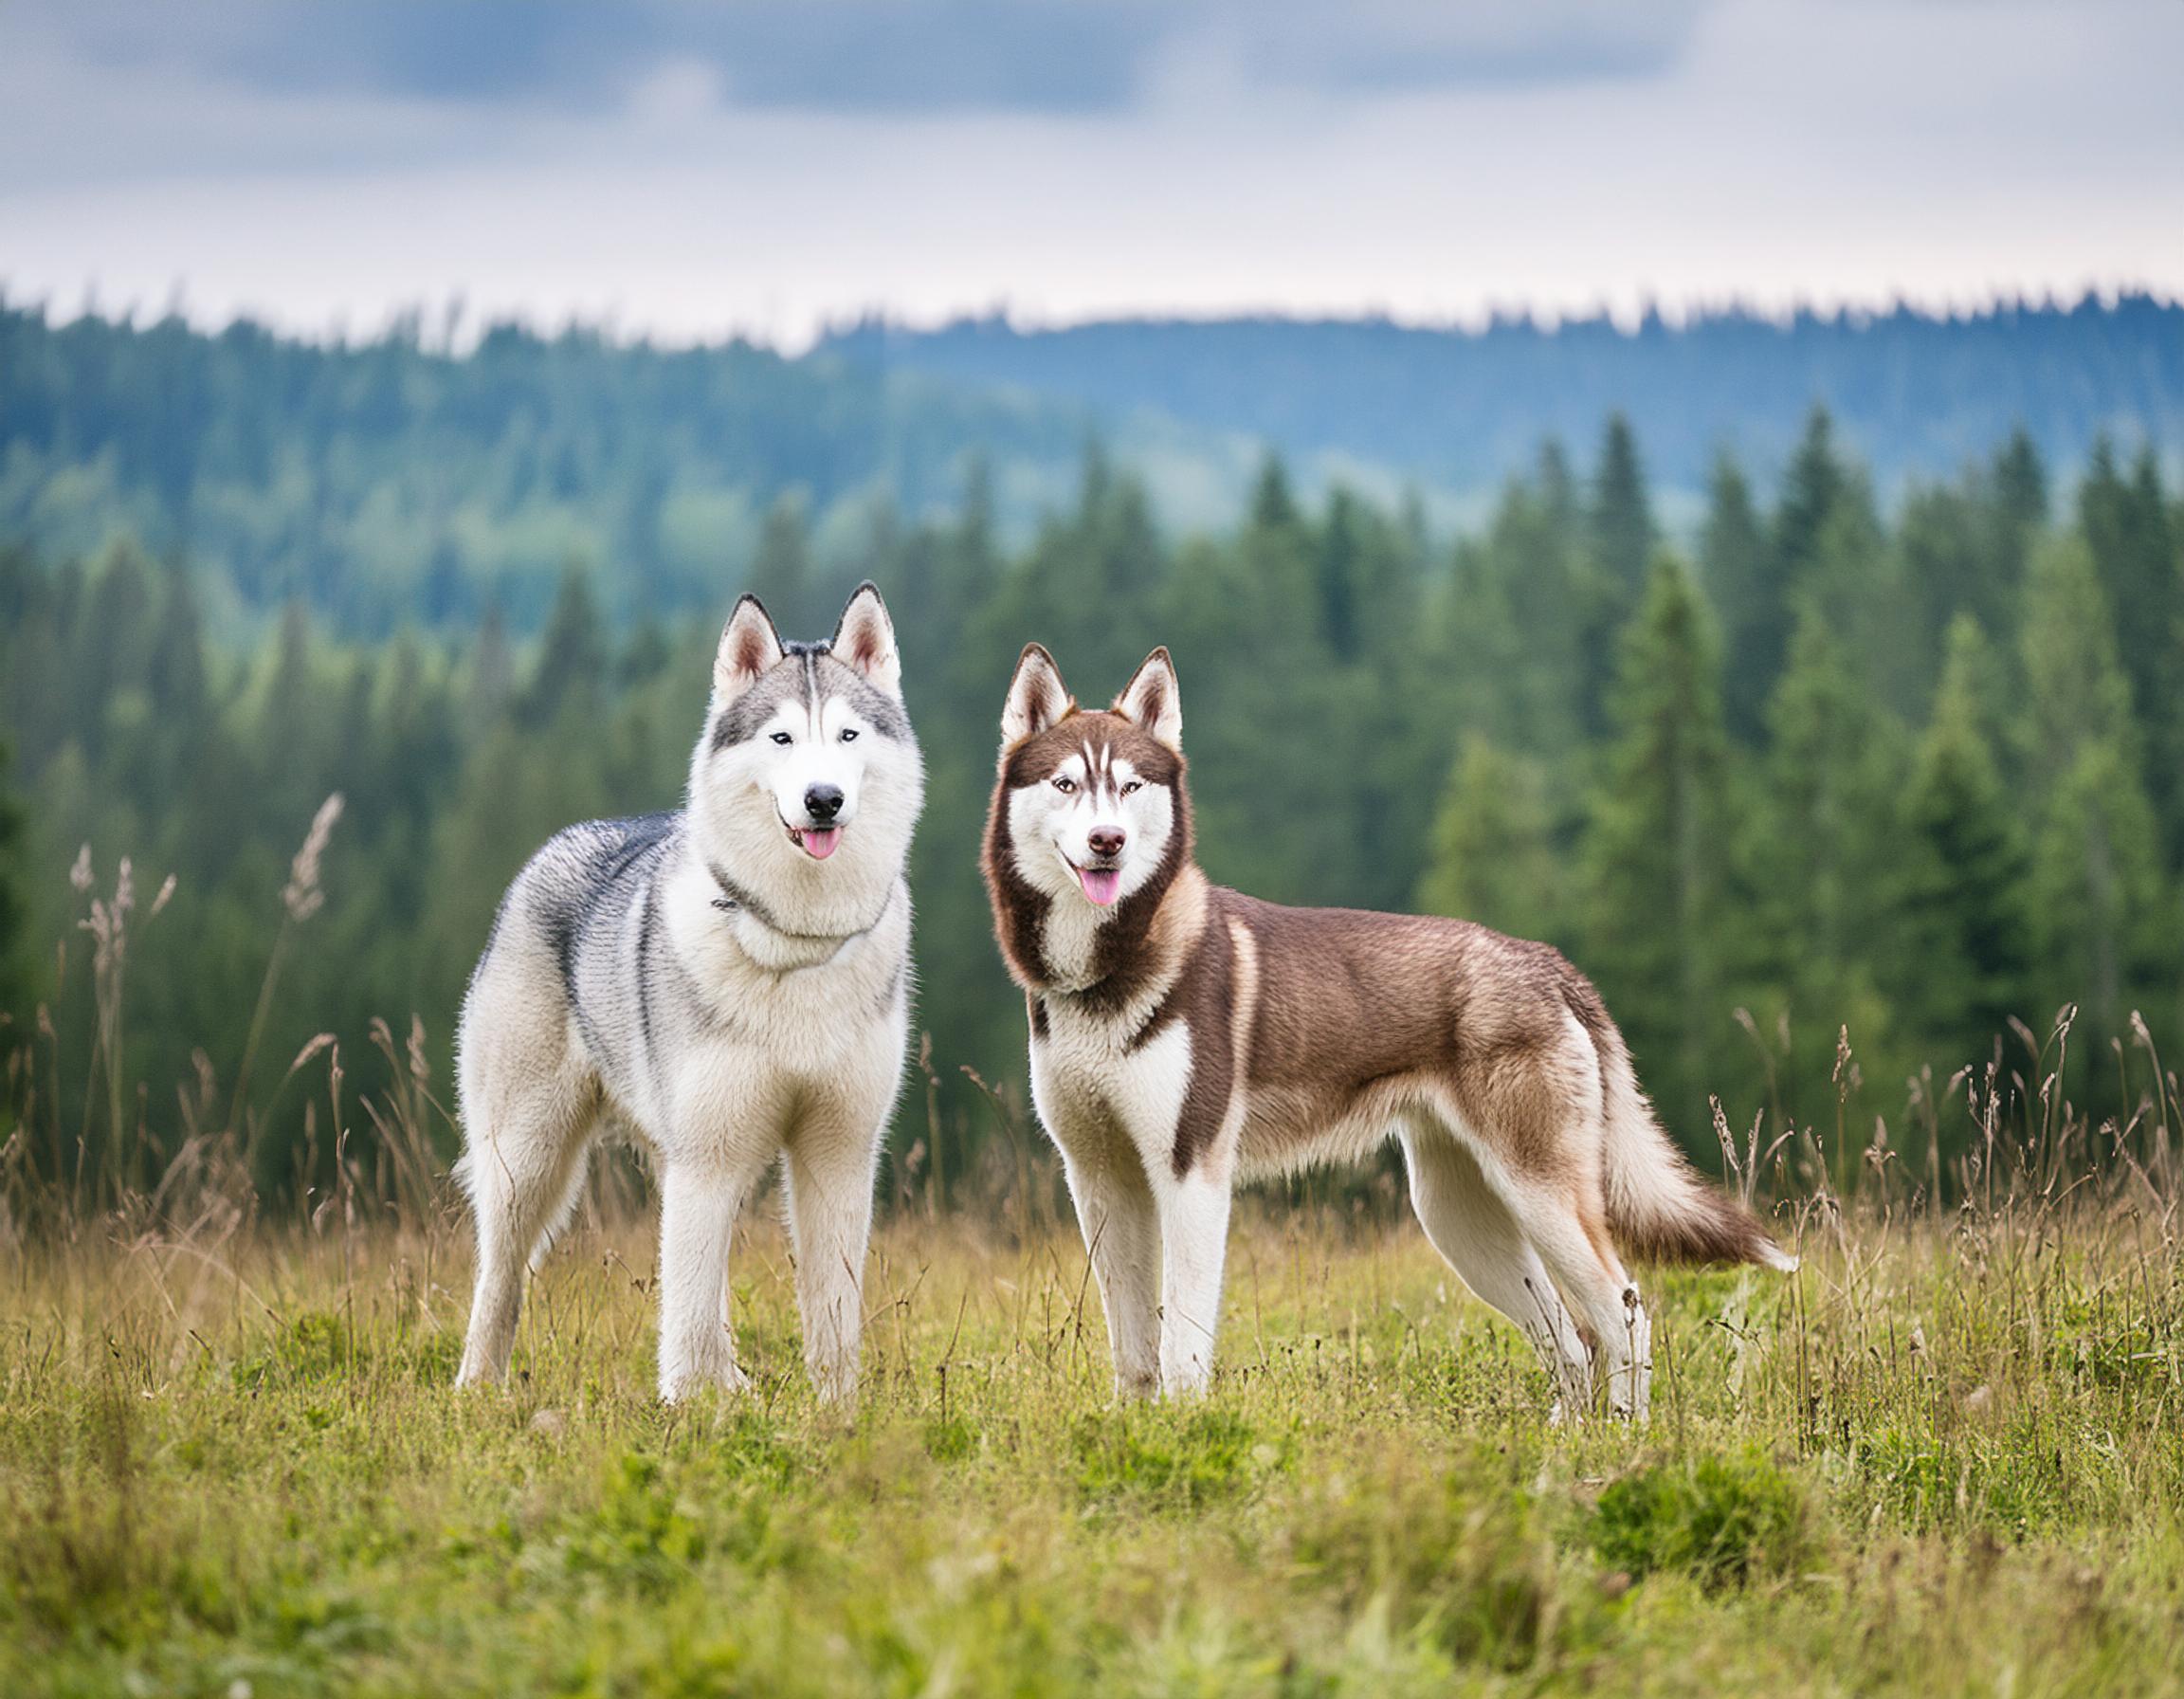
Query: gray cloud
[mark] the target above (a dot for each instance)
(868, 56)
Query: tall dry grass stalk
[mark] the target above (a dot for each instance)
(110, 1171)
(301, 898)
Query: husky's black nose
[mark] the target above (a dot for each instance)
(1105, 840)
(823, 802)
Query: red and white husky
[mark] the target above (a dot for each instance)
(1185, 1037)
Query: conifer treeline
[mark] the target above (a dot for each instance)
(1916, 775)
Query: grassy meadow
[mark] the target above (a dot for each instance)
(1944, 1458)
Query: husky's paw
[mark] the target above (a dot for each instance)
(1181, 1382)
(477, 1373)
(682, 1386)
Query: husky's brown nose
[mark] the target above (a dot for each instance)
(1105, 840)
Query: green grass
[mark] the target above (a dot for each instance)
(1945, 1458)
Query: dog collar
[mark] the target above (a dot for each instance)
(734, 899)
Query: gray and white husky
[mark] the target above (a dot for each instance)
(1184, 1037)
(730, 983)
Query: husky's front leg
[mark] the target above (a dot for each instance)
(1195, 1245)
(699, 1202)
(830, 1184)
(1116, 1213)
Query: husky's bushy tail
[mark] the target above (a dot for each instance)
(1660, 1208)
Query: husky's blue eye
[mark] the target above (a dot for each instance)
(849, 734)
(780, 737)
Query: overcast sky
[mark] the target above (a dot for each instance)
(687, 169)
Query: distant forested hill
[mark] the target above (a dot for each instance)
(1915, 395)
(389, 482)
(393, 482)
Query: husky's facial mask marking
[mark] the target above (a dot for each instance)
(1092, 797)
(796, 720)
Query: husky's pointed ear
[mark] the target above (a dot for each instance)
(1037, 698)
(1153, 700)
(865, 639)
(748, 645)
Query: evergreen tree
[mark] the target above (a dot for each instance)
(1127, 546)
(1658, 928)
(1960, 951)
(1833, 765)
(970, 565)
(1272, 506)
(1472, 656)
(1621, 519)
(193, 771)
(1536, 551)
(1944, 558)
(572, 666)
(1739, 573)
(963, 578)
(417, 732)
(2076, 691)
(2021, 486)
(1494, 858)
(644, 656)
(1965, 545)
(1256, 596)
(2097, 882)
(1858, 581)
(1376, 677)
(2137, 553)
(2125, 524)
(111, 645)
(2106, 933)
(288, 690)
(781, 569)
(1105, 555)
(1620, 536)
(289, 741)
(1340, 549)
(1558, 487)
(175, 674)
(1762, 605)
(1814, 484)
(1367, 575)
(1823, 866)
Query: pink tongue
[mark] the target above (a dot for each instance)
(1102, 886)
(821, 842)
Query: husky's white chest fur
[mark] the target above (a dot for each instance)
(1089, 1082)
(791, 1030)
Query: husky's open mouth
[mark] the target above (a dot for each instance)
(1102, 884)
(818, 842)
